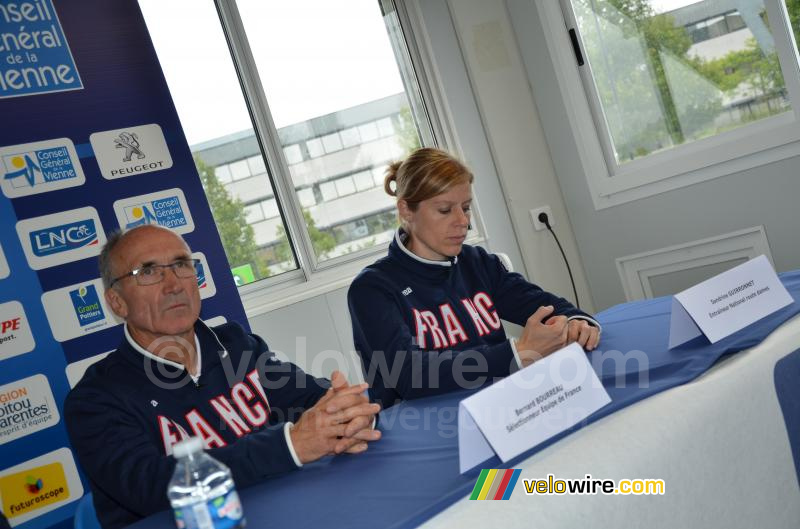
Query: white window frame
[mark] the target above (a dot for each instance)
(752, 145)
(313, 278)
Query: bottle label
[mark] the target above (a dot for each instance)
(223, 512)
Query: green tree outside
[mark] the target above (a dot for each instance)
(654, 95)
(408, 135)
(238, 238)
(322, 241)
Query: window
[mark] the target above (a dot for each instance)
(306, 197)
(675, 88)
(240, 170)
(293, 154)
(350, 137)
(224, 174)
(311, 84)
(332, 143)
(315, 149)
(363, 180)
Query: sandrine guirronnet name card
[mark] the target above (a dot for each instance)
(724, 304)
(528, 407)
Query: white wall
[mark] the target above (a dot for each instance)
(518, 145)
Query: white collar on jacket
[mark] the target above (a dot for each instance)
(400, 239)
(151, 356)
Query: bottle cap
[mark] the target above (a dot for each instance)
(188, 446)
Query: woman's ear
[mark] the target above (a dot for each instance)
(405, 212)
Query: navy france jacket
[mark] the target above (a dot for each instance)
(128, 411)
(417, 322)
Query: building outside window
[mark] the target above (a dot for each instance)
(292, 111)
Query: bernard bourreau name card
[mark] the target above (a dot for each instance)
(528, 407)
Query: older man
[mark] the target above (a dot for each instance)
(173, 377)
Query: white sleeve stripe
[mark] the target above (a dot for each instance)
(296, 459)
(516, 354)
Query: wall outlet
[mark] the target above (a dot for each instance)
(538, 225)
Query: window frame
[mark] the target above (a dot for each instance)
(312, 277)
(752, 145)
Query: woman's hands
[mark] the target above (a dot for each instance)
(540, 339)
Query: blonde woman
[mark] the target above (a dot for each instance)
(426, 318)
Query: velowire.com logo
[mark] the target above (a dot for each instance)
(495, 484)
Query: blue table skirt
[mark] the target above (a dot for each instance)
(412, 473)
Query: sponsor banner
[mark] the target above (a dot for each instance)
(4, 270)
(39, 485)
(78, 310)
(35, 57)
(16, 337)
(39, 167)
(76, 370)
(166, 208)
(131, 151)
(61, 237)
(205, 283)
(26, 406)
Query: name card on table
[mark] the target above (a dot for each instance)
(528, 407)
(724, 304)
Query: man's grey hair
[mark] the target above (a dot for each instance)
(104, 259)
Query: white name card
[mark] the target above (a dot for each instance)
(724, 304)
(528, 407)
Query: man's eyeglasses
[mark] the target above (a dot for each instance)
(154, 273)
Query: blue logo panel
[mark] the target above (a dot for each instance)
(42, 166)
(87, 305)
(201, 275)
(166, 212)
(63, 238)
(35, 57)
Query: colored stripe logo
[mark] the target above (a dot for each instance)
(495, 484)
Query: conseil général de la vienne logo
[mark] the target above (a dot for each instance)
(495, 484)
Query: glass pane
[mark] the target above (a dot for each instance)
(669, 72)
(333, 84)
(793, 7)
(214, 116)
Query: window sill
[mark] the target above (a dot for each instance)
(604, 199)
(296, 288)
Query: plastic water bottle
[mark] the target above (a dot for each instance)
(201, 490)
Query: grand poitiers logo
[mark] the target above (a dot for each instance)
(87, 306)
(77, 310)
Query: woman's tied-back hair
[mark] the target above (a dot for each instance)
(426, 173)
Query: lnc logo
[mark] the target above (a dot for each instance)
(63, 238)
